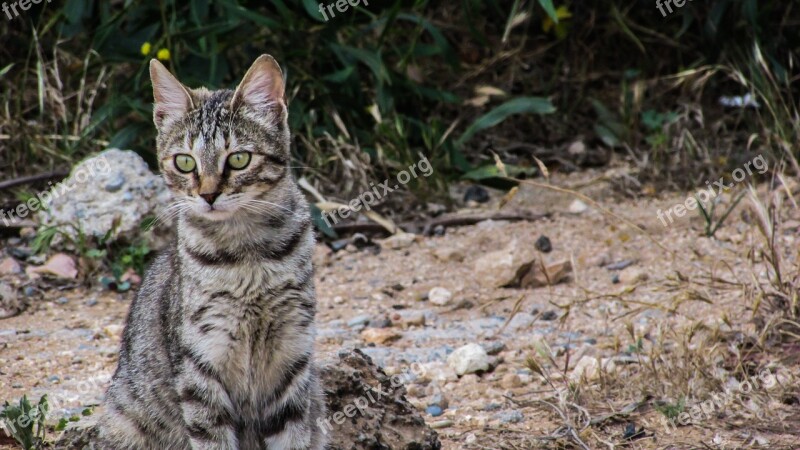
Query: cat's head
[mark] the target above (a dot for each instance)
(223, 153)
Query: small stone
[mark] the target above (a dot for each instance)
(62, 300)
(619, 265)
(439, 230)
(400, 241)
(578, 207)
(91, 302)
(338, 300)
(494, 347)
(470, 439)
(549, 315)
(53, 379)
(510, 381)
(434, 410)
(10, 266)
(115, 183)
(439, 296)
(477, 194)
(470, 358)
(513, 416)
(380, 336)
(589, 367)
(359, 321)
(633, 275)
(29, 291)
(543, 244)
(615, 279)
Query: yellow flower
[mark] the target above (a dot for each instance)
(562, 12)
(163, 54)
(146, 47)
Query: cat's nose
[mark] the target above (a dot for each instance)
(209, 198)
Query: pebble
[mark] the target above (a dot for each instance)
(621, 264)
(434, 410)
(543, 244)
(439, 296)
(633, 275)
(399, 241)
(513, 416)
(359, 321)
(380, 336)
(578, 207)
(29, 291)
(549, 315)
(62, 300)
(10, 266)
(470, 439)
(91, 302)
(470, 358)
(477, 194)
(588, 367)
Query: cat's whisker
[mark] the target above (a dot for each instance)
(266, 202)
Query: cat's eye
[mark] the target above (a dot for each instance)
(239, 160)
(185, 163)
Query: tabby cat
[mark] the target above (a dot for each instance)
(218, 347)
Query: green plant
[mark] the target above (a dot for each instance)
(711, 223)
(672, 410)
(26, 422)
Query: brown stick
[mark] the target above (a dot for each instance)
(33, 179)
(447, 221)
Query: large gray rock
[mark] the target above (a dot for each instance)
(114, 187)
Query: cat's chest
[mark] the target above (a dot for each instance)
(228, 321)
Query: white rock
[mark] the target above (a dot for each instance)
(589, 368)
(578, 207)
(468, 359)
(116, 185)
(439, 296)
(399, 241)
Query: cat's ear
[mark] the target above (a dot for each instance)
(172, 99)
(262, 87)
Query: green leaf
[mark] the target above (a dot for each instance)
(521, 105)
(319, 222)
(548, 7)
(491, 171)
(312, 8)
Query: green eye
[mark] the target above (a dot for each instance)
(185, 163)
(239, 160)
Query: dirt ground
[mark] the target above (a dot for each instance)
(678, 326)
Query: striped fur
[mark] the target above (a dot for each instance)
(218, 347)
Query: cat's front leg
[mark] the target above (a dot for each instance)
(207, 414)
